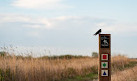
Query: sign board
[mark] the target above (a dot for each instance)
(104, 64)
(104, 72)
(105, 41)
(104, 57)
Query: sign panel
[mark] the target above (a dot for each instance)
(104, 73)
(104, 64)
(104, 57)
(105, 41)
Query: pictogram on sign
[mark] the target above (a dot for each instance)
(105, 41)
(104, 73)
(104, 64)
(104, 56)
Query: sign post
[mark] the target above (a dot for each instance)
(104, 57)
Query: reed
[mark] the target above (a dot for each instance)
(14, 68)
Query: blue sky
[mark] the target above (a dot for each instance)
(69, 25)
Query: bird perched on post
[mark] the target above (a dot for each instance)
(98, 32)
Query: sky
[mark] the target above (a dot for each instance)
(67, 26)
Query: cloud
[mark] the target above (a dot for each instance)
(34, 34)
(124, 27)
(39, 4)
(73, 24)
(64, 31)
(30, 22)
(13, 18)
(119, 28)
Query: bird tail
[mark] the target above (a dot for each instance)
(94, 34)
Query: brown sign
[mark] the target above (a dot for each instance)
(104, 57)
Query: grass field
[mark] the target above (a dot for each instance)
(18, 68)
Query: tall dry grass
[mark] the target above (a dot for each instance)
(119, 62)
(33, 69)
(126, 75)
(44, 69)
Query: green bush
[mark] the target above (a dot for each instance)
(95, 54)
(3, 53)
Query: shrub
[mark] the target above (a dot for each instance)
(95, 54)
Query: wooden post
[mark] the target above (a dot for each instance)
(104, 57)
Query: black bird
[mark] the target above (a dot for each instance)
(98, 32)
